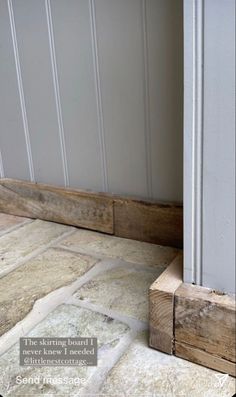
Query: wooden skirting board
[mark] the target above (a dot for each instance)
(121, 216)
(192, 322)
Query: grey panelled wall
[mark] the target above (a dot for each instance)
(91, 94)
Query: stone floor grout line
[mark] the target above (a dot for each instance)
(85, 252)
(35, 253)
(15, 227)
(42, 307)
(98, 378)
(119, 261)
(133, 323)
(82, 252)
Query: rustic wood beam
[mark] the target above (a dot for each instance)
(205, 320)
(149, 221)
(124, 217)
(206, 359)
(192, 322)
(161, 306)
(71, 207)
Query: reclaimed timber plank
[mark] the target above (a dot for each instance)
(56, 204)
(161, 306)
(151, 222)
(203, 358)
(206, 319)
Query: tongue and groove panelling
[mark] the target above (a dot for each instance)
(91, 94)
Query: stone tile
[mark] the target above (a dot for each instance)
(143, 371)
(65, 321)
(36, 278)
(8, 221)
(123, 289)
(19, 243)
(115, 247)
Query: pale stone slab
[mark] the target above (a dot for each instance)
(20, 289)
(116, 247)
(9, 221)
(65, 321)
(145, 372)
(15, 246)
(123, 289)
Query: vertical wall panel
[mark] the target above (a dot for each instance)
(32, 36)
(219, 145)
(164, 40)
(12, 139)
(120, 49)
(72, 30)
(101, 95)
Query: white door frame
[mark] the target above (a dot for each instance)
(193, 131)
(209, 143)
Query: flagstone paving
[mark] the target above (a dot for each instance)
(123, 289)
(143, 371)
(65, 320)
(59, 281)
(116, 247)
(21, 288)
(7, 222)
(15, 246)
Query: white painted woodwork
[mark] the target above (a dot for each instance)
(209, 143)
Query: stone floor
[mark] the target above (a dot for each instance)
(57, 280)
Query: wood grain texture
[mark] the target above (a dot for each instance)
(151, 222)
(161, 306)
(72, 207)
(205, 319)
(127, 218)
(203, 358)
